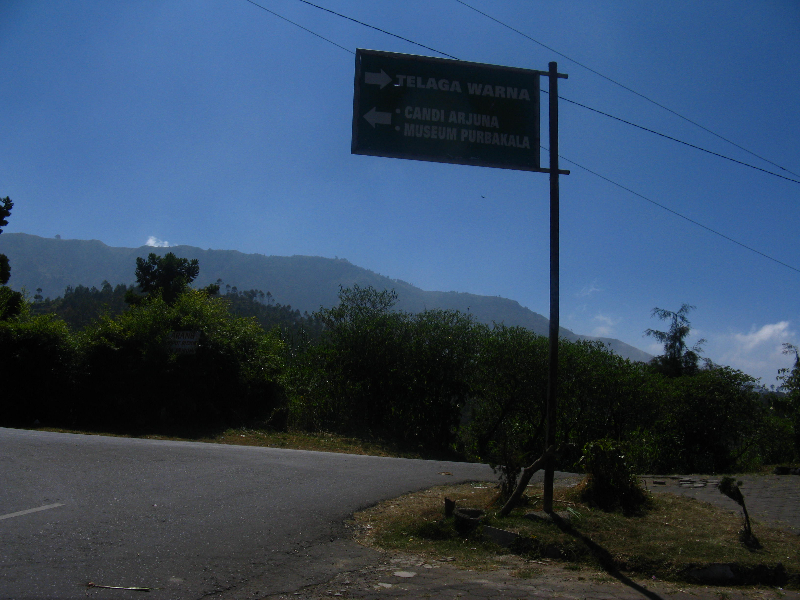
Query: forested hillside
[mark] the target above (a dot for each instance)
(304, 283)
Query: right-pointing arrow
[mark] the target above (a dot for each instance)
(380, 79)
(374, 117)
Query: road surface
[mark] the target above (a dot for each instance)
(187, 520)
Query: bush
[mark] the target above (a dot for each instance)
(610, 482)
(11, 303)
(132, 376)
(710, 422)
(37, 361)
(385, 373)
(504, 425)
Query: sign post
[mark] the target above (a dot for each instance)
(552, 378)
(452, 111)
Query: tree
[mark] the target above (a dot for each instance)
(506, 415)
(677, 359)
(166, 274)
(11, 302)
(790, 384)
(80, 305)
(131, 374)
(790, 378)
(5, 211)
(381, 372)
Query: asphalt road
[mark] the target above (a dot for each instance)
(187, 520)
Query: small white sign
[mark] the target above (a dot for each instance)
(184, 342)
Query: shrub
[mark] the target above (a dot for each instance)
(11, 303)
(134, 377)
(37, 361)
(610, 483)
(380, 372)
(710, 422)
(504, 425)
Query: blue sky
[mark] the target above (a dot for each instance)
(216, 124)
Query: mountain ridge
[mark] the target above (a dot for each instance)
(304, 282)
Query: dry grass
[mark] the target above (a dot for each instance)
(410, 523)
(251, 436)
(675, 533)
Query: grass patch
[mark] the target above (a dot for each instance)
(676, 534)
(256, 436)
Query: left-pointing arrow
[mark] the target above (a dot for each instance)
(374, 117)
(380, 79)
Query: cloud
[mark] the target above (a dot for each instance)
(774, 333)
(758, 353)
(606, 327)
(588, 290)
(156, 243)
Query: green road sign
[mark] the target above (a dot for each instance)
(442, 110)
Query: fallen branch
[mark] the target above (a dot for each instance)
(114, 587)
(527, 473)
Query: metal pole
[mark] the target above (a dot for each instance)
(552, 379)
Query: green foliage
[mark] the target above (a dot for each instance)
(505, 421)
(80, 306)
(420, 378)
(611, 484)
(709, 422)
(381, 372)
(5, 269)
(601, 395)
(122, 371)
(790, 378)
(11, 303)
(39, 359)
(5, 211)
(678, 359)
(790, 385)
(167, 275)
(296, 329)
(431, 381)
(232, 376)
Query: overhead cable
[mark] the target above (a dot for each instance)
(715, 232)
(669, 137)
(572, 60)
(676, 213)
(545, 91)
(378, 29)
(272, 12)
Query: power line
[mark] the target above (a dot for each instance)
(272, 12)
(544, 91)
(715, 232)
(706, 129)
(377, 29)
(677, 214)
(669, 137)
(349, 19)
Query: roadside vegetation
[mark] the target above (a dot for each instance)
(161, 359)
(432, 384)
(250, 436)
(605, 521)
(671, 541)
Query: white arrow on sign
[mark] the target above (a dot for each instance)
(374, 117)
(380, 79)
